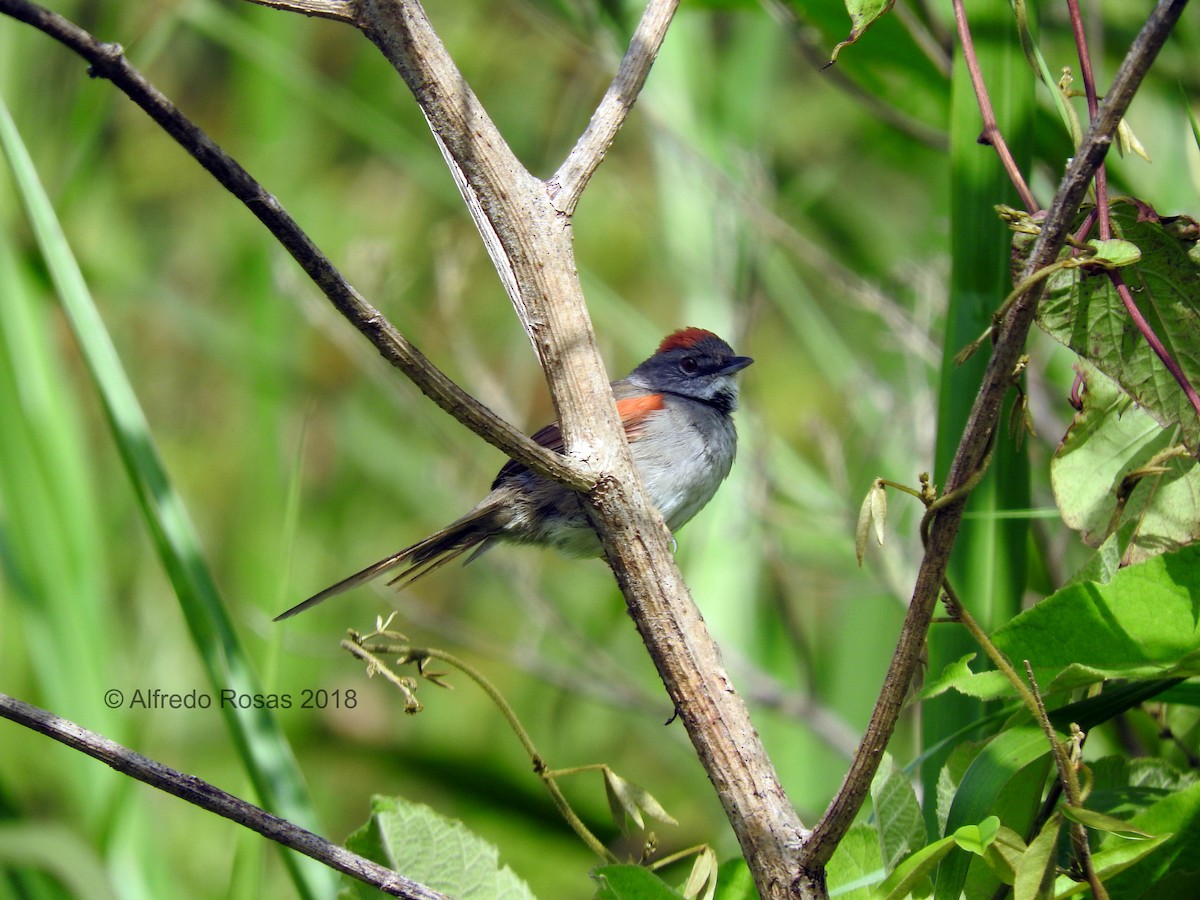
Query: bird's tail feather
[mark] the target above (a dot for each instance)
(471, 532)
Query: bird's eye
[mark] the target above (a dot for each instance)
(689, 366)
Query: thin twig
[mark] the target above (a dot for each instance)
(337, 10)
(1070, 785)
(204, 795)
(991, 134)
(420, 656)
(567, 184)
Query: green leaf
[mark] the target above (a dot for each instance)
(441, 853)
(1004, 854)
(1114, 253)
(626, 882)
(856, 865)
(1036, 867)
(1115, 467)
(1143, 625)
(897, 813)
(1176, 815)
(912, 871)
(1145, 621)
(998, 781)
(1084, 312)
(1098, 821)
(977, 838)
(734, 881)
(862, 14)
(1113, 860)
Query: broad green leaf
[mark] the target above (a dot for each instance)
(897, 813)
(441, 853)
(627, 882)
(856, 866)
(1111, 861)
(1084, 312)
(1147, 618)
(1177, 815)
(1110, 444)
(1144, 624)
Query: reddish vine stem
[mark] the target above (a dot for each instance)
(1104, 219)
(991, 134)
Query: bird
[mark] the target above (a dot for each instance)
(676, 408)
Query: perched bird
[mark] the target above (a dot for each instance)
(676, 408)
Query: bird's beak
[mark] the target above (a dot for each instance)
(735, 365)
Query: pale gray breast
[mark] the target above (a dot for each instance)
(680, 467)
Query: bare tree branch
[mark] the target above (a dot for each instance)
(567, 184)
(200, 793)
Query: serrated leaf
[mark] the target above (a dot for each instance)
(862, 14)
(897, 813)
(1084, 312)
(856, 865)
(627, 882)
(1178, 815)
(956, 675)
(1098, 821)
(439, 852)
(1144, 623)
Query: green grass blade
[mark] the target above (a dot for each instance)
(260, 742)
(988, 565)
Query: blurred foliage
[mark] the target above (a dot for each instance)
(803, 214)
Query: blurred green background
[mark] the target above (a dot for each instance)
(805, 215)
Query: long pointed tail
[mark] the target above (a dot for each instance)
(473, 531)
